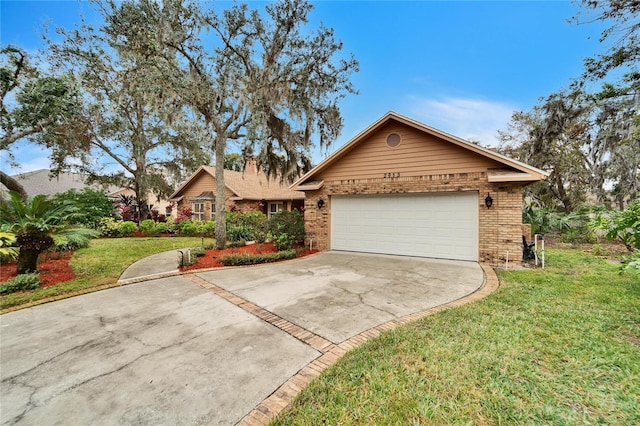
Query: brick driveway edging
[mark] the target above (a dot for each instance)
(330, 352)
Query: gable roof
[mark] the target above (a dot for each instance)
(248, 185)
(523, 172)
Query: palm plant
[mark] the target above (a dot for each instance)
(7, 246)
(34, 222)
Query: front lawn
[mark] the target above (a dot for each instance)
(553, 346)
(101, 264)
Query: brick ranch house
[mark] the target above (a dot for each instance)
(245, 191)
(402, 187)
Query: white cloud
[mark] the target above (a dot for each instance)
(28, 157)
(474, 119)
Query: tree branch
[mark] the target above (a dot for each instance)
(13, 185)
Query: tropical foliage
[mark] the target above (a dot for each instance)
(92, 205)
(30, 281)
(8, 251)
(35, 222)
(623, 226)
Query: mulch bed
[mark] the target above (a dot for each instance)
(211, 259)
(53, 268)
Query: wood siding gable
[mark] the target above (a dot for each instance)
(418, 154)
(422, 150)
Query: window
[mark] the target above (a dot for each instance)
(198, 211)
(275, 208)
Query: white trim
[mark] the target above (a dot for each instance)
(274, 203)
(541, 174)
(197, 215)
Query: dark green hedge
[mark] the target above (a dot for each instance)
(255, 259)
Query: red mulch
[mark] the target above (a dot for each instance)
(53, 268)
(211, 259)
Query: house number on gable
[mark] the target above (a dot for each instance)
(392, 175)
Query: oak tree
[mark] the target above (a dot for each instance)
(34, 105)
(262, 80)
(132, 132)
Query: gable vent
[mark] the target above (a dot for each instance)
(393, 140)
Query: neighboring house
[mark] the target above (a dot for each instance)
(245, 191)
(39, 182)
(401, 187)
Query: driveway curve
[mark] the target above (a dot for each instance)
(217, 347)
(340, 294)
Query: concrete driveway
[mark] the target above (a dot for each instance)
(170, 351)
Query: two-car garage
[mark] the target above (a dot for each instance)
(439, 225)
(404, 188)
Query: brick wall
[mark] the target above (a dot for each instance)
(500, 233)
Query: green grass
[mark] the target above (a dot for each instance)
(555, 346)
(101, 264)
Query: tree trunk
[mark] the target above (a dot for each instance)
(28, 260)
(221, 218)
(13, 185)
(564, 198)
(31, 245)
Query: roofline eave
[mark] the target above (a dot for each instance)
(428, 129)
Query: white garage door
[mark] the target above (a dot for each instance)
(442, 226)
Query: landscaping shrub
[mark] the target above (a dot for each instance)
(109, 227)
(208, 229)
(234, 219)
(237, 233)
(198, 251)
(148, 227)
(172, 226)
(187, 228)
(623, 226)
(93, 206)
(74, 239)
(20, 282)
(253, 226)
(259, 225)
(190, 256)
(239, 243)
(631, 263)
(291, 223)
(284, 242)
(570, 228)
(162, 227)
(255, 259)
(184, 213)
(127, 228)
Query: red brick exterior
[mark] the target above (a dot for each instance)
(500, 227)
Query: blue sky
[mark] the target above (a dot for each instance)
(461, 66)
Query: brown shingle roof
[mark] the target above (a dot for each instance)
(248, 185)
